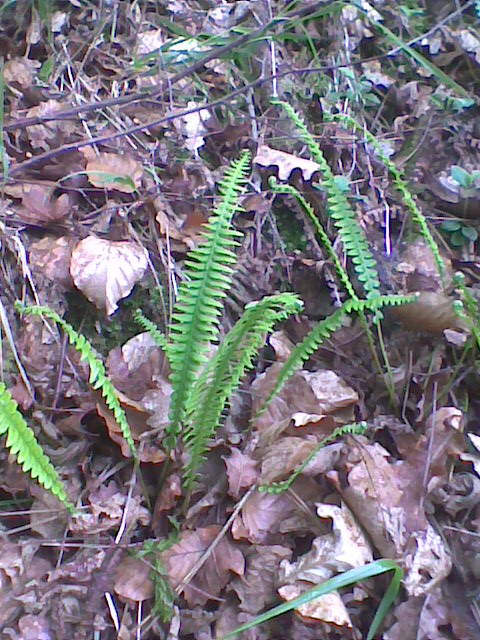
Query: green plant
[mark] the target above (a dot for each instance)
(458, 233)
(22, 443)
(344, 580)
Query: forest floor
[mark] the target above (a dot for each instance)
(118, 121)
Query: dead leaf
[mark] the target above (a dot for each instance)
(192, 127)
(256, 589)
(44, 136)
(40, 207)
(286, 163)
(242, 472)
(107, 271)
(112, 171)
(215, 573)
(51, 257)
(132, 580)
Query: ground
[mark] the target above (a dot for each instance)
(121, 121)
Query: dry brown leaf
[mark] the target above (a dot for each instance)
(112, 171)
(328, 608)
(51, 258)
(242, 472)
(44, 136)
(132, 580)
(40, 208)
(265, 515)
(19, 72)
(215, 573)
(107, 271)
(256, 589)
(430, 313)
(286, 163)
(288, 453)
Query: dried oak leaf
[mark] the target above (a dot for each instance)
(107, 271)
(213, 575)
(286, 163)
(111, 171)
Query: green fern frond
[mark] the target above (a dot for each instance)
(325, 328)
(224, 372)
(356, 428)
(340, 211)
(308, 209)
(200, 297)
(23, 445)
(400, 185)
(98, 375)
(152, 328)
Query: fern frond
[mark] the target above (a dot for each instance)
(340, 211)
(400, 185)
(22, 443)
(308, 209)
(356, 428)
(152, 329)
(224, 372)
(200, 297)
(98, 376)
(325, 328)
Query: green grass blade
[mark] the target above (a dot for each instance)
(344, 580)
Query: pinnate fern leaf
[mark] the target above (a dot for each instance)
(340, 211)
(208, 271)
(22, 443)
(98, 376)
(153, 330)
(224, 372)
(325, 328)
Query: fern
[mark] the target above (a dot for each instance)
(153, 330)
(324, 329)
(24, 446)
(98, 375)
(339, 209)
(225, 371)
(307, 207)
(401, 187)
(279, 487)
(200, 298)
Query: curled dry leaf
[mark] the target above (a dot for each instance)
(214, 574)
(111, 171)
(39, 207)
(343, 549)
(107, 271)
(286, 163)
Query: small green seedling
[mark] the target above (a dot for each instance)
(458, 233)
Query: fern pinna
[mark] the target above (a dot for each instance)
(224, 372)
(98, 375)
(22, 443)
(208, 276)
(340, 211)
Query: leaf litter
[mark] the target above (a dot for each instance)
(98, 221)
